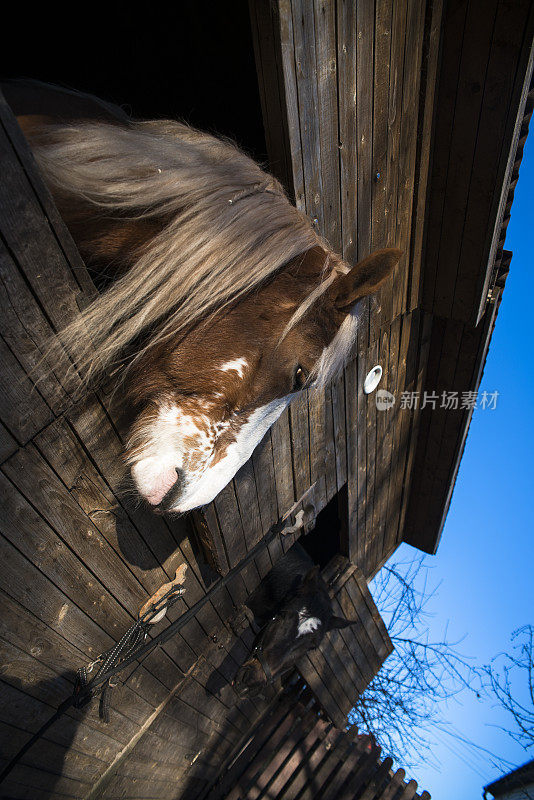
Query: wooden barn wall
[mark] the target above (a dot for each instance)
(347, 661)
(79, 559)
(351, 160)
(457, 354)
(486, 63)
(296, 752)
(346, 87)
(347, 95)
(335, 674)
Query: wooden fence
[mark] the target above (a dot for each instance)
(335, 674)
(295, 752)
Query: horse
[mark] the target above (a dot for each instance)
(293, 611)
(219, 300)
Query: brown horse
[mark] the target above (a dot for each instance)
(219, 300)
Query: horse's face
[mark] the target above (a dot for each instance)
(206, 400)
(299, 627)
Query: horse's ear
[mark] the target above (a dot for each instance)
(364, 278)
(339, 622)
(312, 576)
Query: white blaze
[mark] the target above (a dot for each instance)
(164, 450)
(238, 452)
(177, 440)
(237, 365)
(307, 624)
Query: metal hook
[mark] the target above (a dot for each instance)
(301, 518)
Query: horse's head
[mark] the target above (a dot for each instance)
(206, 399)
(300, 626)
(220, 286)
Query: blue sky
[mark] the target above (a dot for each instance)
(485, 559)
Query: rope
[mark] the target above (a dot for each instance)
(111, 661)
(130, 648)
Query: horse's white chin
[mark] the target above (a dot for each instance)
(213, 480)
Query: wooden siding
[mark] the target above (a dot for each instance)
(484, 76)
(457, 354)
(296, 752)
(388, 127)
(80, 560)
(348, 659)
(195, 753)
(349, 95)
(343, 88)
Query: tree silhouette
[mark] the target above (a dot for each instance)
(510, 675)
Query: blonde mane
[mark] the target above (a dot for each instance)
(228, 227)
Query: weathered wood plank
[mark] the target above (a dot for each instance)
(400, 418)
(379, 179)
(426, 135)
(297, 760)
(461, 147)
(306, 773)
(248, 505)
(258, 764)
(262, 460)
(80, 279)
(300, 443)
(369, 402)
(23, 411)
(338, 389)
(356, 507)
(8, 445)
(317, 428)
(368, 778)
(30, 240)
(265, 25)
(383, 457)
(283, 469)
(357, 756)
(29, 336)
(390, 422)
(347, 38)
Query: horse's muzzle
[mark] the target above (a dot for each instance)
(172, 496)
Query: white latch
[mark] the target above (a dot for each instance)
(372, 379)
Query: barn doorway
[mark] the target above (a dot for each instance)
(328, 537)
(185, 62)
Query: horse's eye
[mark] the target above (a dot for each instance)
(300, 376)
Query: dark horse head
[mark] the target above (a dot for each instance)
(294, 611)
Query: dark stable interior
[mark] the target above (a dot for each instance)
(326, 539)
(194, 62)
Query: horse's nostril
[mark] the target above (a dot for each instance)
(171, 497)
(180, 477)
(153, 480)
(160, 485)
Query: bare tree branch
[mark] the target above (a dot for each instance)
(504, 675)
(403, 703)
